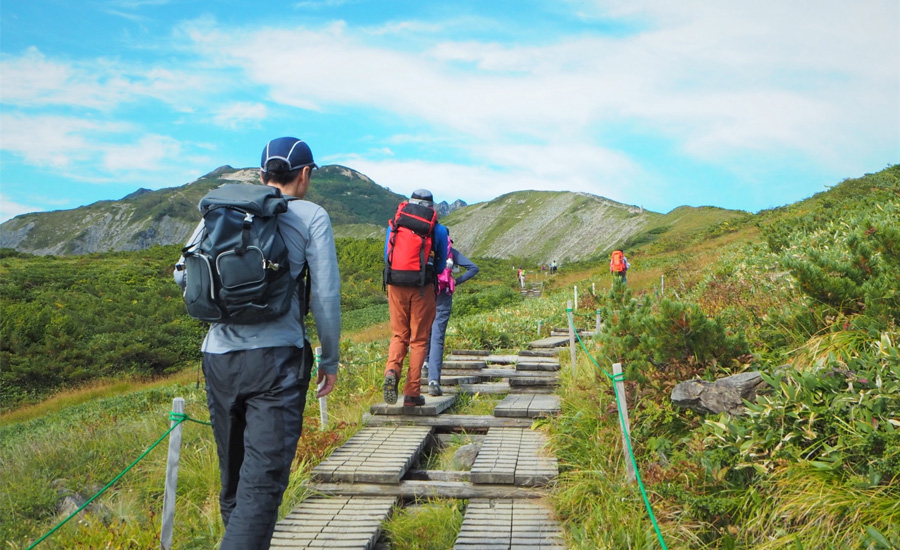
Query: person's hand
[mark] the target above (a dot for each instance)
(325, 389)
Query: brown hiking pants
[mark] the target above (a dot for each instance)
(412, 313)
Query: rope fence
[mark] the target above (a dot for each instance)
(618, 380)
(176, 418)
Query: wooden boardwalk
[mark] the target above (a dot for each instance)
(363, 481)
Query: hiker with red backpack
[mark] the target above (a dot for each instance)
(447, 284)
(618, 265)
(415, 251)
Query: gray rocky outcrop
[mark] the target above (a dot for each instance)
(723, 395)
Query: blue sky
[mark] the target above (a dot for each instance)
(745, 105)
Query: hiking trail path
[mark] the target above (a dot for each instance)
(358, 485)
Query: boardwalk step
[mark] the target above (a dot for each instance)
(541, 381)
(454, 380)
(476, 352)
(335, 522)
(374, 455)
(514, 456)
(550, 342)
(521, 405)
(537, 366)
(453, 364)
(506, 524)
(539, 353)
(433, 406)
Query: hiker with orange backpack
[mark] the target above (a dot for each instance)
(618, 265)
(415, 251)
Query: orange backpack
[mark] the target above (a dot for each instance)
(617, 263)
(410, 245)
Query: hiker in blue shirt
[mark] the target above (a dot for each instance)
(446, 286)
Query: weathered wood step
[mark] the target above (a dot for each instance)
(550, 342)
(469, 365)
(374, 455)
(333, 522)
(433, 406)
(412, 489)
(540, 381)
(546, 366)
(539, 353)
(507, 524)
(448, 421)
(514, 456)
(522, 405)
(477, 352)
(453, 380)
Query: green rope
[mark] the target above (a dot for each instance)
(621, 378)
(178, 418)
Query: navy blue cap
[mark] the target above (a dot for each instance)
(293, 151)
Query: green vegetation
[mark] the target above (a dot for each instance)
(807, 295)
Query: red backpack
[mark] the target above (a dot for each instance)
(410, 244)
(617, 263)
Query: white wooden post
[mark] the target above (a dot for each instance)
(662, 284)
(626, 424)
(571, 333)
(576, 300)
(539, 328)
(323, 401)
(597, 329)
(593, 289)
(168, 512)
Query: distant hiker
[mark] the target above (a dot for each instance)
(446, 287)
(257, 374)
(521, 276)
(553, 267)
(618, 265)
(415, 251)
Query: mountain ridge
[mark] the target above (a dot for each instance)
(538, 226)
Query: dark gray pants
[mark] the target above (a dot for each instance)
(256, 400)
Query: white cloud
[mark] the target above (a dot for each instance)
(150, 153)
(10, 209)
(716, 79)
(241, 114)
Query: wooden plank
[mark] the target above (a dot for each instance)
(476, 352)
(433, 406)
(508, 524)
(429, 489)
(514, 456)
(447, 421)
(545, 366)
(550, 342)
(335, 522)
(539, 353)
(374, 455)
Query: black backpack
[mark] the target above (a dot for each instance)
(237, 270)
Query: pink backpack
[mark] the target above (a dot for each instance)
(446, 282)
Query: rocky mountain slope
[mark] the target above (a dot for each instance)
(538, 226)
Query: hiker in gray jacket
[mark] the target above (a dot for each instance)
(257, 375)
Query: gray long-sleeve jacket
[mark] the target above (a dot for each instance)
(306, 229)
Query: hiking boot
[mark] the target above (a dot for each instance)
(434, 389)
(413, 400)
(390, 388)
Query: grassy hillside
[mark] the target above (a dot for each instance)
(807, 295)
(539, 226)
